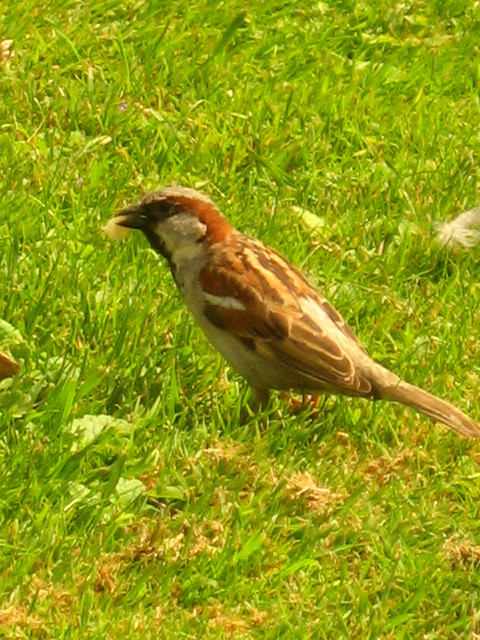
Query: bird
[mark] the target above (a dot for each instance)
(261, 312)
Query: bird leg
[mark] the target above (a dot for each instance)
(259, 398)
(308, 401)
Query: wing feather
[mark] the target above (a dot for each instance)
(282, 317)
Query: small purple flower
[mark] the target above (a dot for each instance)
(123, 106)
(79, 182)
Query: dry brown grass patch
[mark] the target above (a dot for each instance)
(58, 596)
(464, 552)
(150, 478)
(16, 615)
(6, 50)
(225, 451)
(106, 570)
(383, 468)
(232, 623)
(155, 541)
(305, 485)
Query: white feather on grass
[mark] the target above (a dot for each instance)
(461, 233)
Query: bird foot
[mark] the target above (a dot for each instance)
(307, 402)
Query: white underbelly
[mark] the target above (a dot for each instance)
(242, 358)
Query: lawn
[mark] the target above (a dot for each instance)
(138, 498)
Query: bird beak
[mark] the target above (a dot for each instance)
(121, 225)
(132, 217)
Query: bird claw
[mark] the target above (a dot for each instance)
(308, 401)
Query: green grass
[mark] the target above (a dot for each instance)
(173, 517)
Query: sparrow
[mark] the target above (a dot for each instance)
(261, 312)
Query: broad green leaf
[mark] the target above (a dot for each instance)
(90, 427)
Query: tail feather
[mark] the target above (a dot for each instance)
(434, 408)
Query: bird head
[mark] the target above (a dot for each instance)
(174, 219)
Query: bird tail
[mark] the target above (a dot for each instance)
(433, 407)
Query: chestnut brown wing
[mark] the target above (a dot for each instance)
(256, 295)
